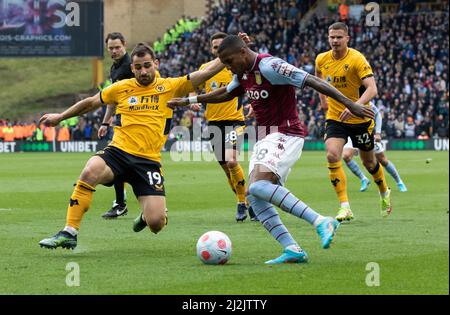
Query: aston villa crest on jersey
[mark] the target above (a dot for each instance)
(258, 77)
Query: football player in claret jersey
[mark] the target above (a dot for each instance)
(270, 83)
(134, 154)
(348, 71)
(225, 129)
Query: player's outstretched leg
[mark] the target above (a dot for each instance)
(390, 168)
(374, 167)
(284, 199)
(339, 180)
(61, 239)
(354, 167)
(271, 221)
(79, 203)
(154, 215)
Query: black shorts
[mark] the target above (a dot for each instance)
(142, 174)
(361, 134)
(225, 134)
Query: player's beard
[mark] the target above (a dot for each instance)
(146, 80)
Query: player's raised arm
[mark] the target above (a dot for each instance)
(200, 76)
(279, 72)
(323, 87)
(86, 105)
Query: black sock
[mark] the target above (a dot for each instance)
(120, 196)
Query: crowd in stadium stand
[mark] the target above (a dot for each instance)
(408, 54)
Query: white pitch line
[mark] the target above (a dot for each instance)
(6, 209)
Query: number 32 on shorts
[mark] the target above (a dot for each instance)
(363, 139)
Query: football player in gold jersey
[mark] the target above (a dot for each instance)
(134, 153)
(348, 71)
(225, 127)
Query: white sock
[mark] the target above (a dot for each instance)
(72, 231)
(345, 204)
(294, 248)
(319, 220)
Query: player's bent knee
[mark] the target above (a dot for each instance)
(93, 171)
(257, 186)
(332, 157)
(347, 158)
(156, 224)
(232, 164)
(383, 161)
(89, 175)
(370, 165)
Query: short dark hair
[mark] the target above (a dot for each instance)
(142, 49)
(218, 35)
(338, 26)
(233, 42)
(113, 36)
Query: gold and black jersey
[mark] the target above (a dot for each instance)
(143, 113)
(230, 110)
(346, 75)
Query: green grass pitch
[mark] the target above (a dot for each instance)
(411, 247)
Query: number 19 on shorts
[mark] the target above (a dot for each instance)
(154, 178)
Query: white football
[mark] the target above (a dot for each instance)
(214, 248)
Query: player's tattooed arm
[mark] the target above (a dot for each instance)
(86, 105)
(323, 87)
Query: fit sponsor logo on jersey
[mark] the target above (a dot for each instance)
(257, 94)
(339, 82)
(147, 102)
